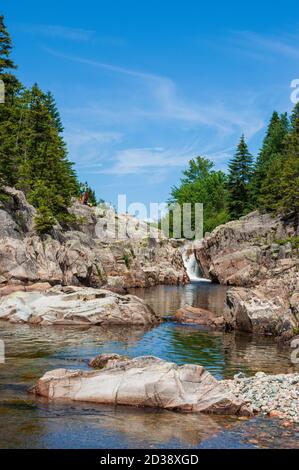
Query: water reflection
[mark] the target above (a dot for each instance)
(31, 351)
(166, 300)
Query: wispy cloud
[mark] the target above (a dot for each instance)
(166, 103)
(57, 31)
(87, 147)
(156, 99)
(255, 43)
(158, 161)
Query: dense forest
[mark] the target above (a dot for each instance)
(33, 154)
(269, 182)
(34, 159)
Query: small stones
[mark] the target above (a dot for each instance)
(274, 395)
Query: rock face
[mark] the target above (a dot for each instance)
(199, 316)
(76, 306)
(263, 309)
(144, 381)
(245, 254)
(101, 248)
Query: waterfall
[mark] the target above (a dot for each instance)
(192, 267)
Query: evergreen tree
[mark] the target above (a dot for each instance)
(44, 171)
(272, 148)
(33, 155)
(12, 85)
(53, 110)
(239, 179)
(9, 115)
(289, 203)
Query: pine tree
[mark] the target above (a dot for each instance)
(239, 179)
(272, 148)
(289, 203)
(9, 115)
(44, 171)
(6, 63)
(53, 110)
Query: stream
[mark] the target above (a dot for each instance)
(29, 422)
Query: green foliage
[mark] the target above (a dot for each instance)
(127, 259)
(269, 184)
(294, 241)
(33, 154)
(85, 189)
(269, 162)
(239, 181)
(280, 187)
(44, 220)
(202, 184)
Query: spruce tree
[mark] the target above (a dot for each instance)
(289, 203)
(239, 179)
(272, 148)
(53, 110)
(44, 172)
(9, 112)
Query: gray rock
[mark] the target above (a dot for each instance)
(144, 381)
(89, 253)
(76, 306)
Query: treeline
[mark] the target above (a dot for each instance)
(268, 183)
(33, 154)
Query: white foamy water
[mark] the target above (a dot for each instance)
(192, 267)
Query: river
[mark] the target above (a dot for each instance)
(29, 422)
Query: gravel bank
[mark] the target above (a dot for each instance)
(275, 395)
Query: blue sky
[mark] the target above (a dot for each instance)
(143, 86)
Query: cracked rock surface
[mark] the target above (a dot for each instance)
(144, 381)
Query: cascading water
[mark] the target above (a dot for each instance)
(192, 267)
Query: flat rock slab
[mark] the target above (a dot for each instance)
(76, 306)
(144, 382)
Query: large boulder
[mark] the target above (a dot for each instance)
(256, 255)
(99, 248)
(262, 310)
(245, 252)
(143, 381)
(76, 306)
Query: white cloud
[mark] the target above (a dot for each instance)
(283, 46)
(57, 31)
(165, 103)
(87, 147)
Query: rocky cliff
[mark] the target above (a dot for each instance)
(90, 253)
(258, 255)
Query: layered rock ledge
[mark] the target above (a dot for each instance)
(144, 382)
(76, 306)
(99, 248)
(255, 254)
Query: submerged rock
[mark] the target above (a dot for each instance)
(76, 306)
(199, 316)
(144, 381)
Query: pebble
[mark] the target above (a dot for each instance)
(274, 395)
